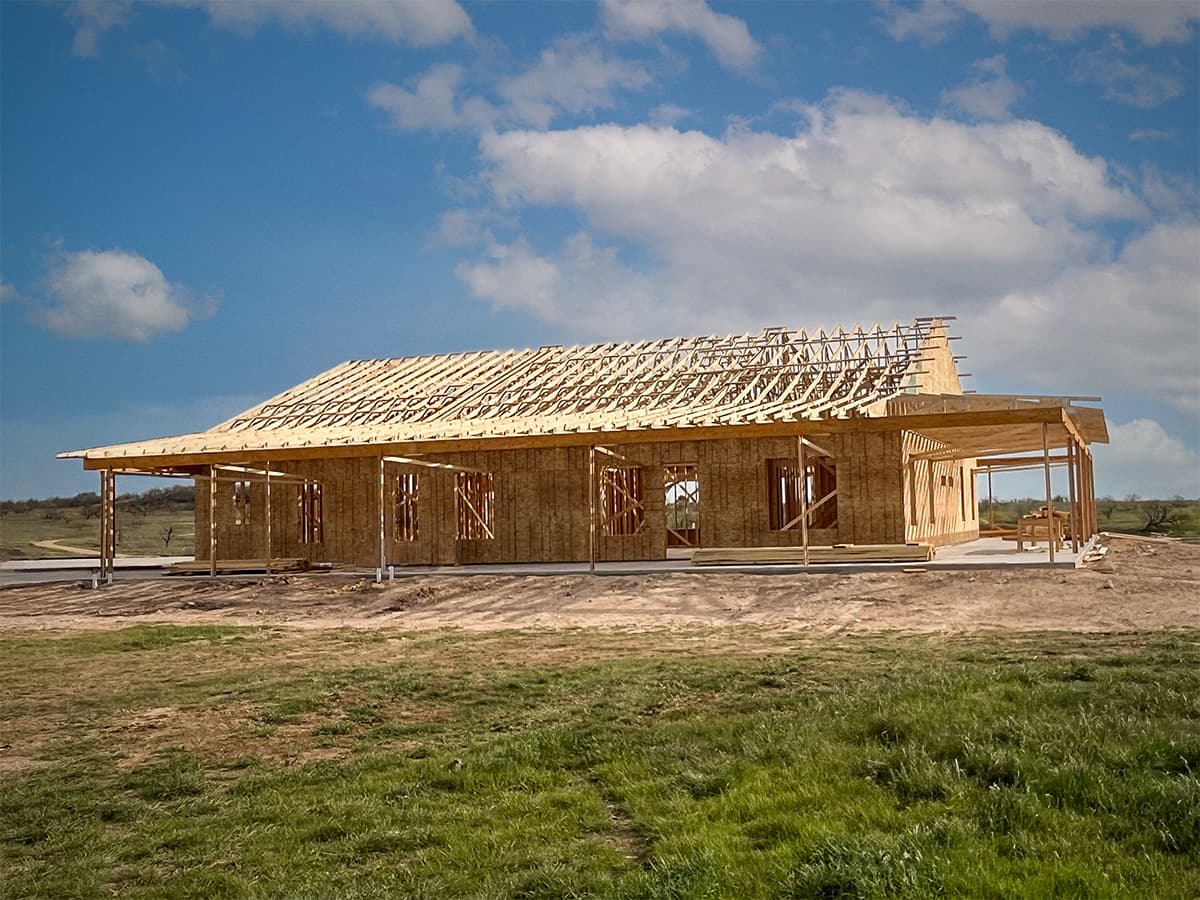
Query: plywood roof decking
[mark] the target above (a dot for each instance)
(770, 377)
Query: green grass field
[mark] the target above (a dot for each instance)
(140, 533)
(221, 762)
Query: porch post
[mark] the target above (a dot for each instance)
(212, 520)
(382, 548)
(1072, 472)
(1049, 492)
(803, 464)
(592, 509)
(268, 468)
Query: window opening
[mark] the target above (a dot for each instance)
(405, 491)
(312, 525)
(475, 506)
(784, 484)
(241, 503)
(622, 509)
(682, 484)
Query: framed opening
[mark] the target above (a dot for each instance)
(785, 482)
(475, 506)
(312, 519)
(622, 501)
(682, 484)
(241, 503)
(405, 492)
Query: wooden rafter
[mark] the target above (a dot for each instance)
(772, 377)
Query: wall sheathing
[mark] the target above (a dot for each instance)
(542, 503)
(936, 496)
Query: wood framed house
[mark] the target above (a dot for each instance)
(616, 451)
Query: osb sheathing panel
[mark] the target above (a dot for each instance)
(940, 502)
(542, 503)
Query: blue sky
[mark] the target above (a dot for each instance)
(205, 203)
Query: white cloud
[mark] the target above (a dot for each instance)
(1132, 324)
(668, 114)
(1153, 21)
(571, 76)
(1136, 85)
(417, 22)
(1142, 458)
(92, 19)
(866, 211)
(1152, 134)
(115, 294)
(433, 103)
(726, 36)
(988, 94)
(866, 204)
(928, 22)
(586, 289)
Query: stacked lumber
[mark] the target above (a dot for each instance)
(838, 553)
(238, 566)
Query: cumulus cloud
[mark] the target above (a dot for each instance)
(866, 211)
(988, 93)
(726, 36)
(1123, 81)
(115, 294)
(864, 203)
(572, 77)
(1143, 459)
(1133, 323)
(432, 102)
(92, 20)
(1153, 21)
(416, 22)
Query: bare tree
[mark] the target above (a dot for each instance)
(166, 534)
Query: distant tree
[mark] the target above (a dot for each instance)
(1161, 515)
(1107, 506)
(166, 534)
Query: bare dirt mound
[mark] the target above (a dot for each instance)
(1137, 586)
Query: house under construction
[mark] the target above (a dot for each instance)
(615, 451)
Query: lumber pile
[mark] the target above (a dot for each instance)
(838, 553)
(238, 566)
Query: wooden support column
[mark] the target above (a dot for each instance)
(267, 466)
(1090, 489)
(382, 526)
(1049, 492)
(103, 521)
(1076, 507)
(592, 509)
(112, 524)
(803, 464)
(991, 502)
(212, 520)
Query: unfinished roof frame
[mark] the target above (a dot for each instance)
(810, 387)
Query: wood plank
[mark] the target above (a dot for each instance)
(838, 553)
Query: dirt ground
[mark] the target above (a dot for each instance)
(1137, 586)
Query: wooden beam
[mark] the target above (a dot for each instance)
(1050, 531)
(382, 524)
(592, 510)
(920, 422)
(269, 551)
(803, 498)
(212, 521)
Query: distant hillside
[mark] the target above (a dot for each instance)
(173, 499)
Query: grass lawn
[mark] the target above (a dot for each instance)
(211, 762)
(139, 533)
